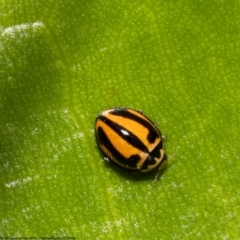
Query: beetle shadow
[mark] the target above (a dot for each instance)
(136, 175)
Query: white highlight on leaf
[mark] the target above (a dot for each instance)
(20, 181)
(21, 28)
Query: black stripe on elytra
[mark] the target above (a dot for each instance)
(153, 133)
(125, 134)
(156, 153)
(102, 139)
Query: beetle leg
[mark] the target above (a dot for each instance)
(165, 160)
(159, 169)
(164, 138)
(156, 176)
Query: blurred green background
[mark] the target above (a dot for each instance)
(62, 62)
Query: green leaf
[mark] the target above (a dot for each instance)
(62, 62)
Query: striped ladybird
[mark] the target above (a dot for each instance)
(130, 139)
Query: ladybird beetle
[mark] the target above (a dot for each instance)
(130, 139)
